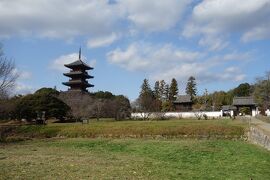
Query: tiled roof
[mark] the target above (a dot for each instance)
(243, 101)
(78, 63)
(72, 82)
(74, 73)
(183, 99)
(228, 107)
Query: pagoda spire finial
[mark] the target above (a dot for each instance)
(80, 53)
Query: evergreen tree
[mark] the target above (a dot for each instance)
(243, 89)
(145, 88)
(43, 100)
(167, 92)
(156, 90)
(146, 97)
(173, 89)
(162, 84)
(191, 88)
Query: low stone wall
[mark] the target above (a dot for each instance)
(260, 137)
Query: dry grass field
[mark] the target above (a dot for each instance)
(218, 129)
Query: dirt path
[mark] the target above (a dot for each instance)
(261, 124)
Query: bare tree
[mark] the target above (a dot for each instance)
(262, 91)
(8, 75)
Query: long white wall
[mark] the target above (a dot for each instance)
(267, 112)
(212, 114)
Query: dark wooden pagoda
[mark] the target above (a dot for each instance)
(78, 76)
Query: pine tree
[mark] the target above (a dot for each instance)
(173, 89)
(191, 88)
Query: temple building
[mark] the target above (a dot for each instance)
(78, 76)
(183, 103)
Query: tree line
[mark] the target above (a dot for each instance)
(162, 96)
(260, 91)
(64, 106)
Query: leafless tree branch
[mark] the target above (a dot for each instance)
(8, 75)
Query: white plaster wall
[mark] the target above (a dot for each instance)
(211, 114)
(267, 112)
(232, 113)
(255, 112)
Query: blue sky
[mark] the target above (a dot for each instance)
(221, 42)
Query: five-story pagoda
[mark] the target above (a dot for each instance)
(78, 76)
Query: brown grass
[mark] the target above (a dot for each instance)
(218, 129)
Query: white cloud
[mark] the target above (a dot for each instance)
(58, 63)
(93, 63)
(213, 43)
(220, 18)
(167, 61)
(102, 41)
(237, 56)
(153, 15)
(22, 75)
(21, 88)
(144, 56)
(95, 18)
(257, 33)
(57, 19)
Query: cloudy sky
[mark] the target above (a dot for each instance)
(220, 42)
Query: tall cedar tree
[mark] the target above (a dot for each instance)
(162, 89)
(173, 89)
(191, 88)
(145, 88)
(156, 90)
(167, 92)
(146, 97)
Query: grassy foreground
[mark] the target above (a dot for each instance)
(216, 129)
(133, 159)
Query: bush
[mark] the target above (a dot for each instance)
(245, 110)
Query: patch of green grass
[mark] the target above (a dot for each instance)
(133, 159)
(219, 129)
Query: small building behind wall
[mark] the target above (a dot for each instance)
(245, 103)
(228, 110)
(183, 103)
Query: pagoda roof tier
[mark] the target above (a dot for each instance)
(78, 82)
(78, 63)
(78, 73)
